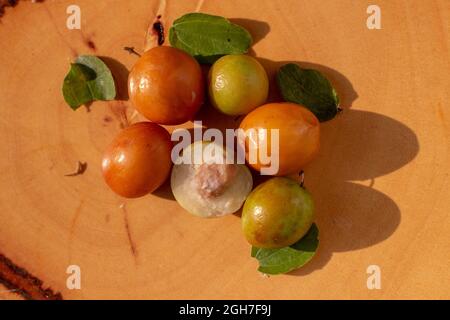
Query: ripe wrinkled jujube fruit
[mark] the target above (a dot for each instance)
(138, 160)
(166, 85)
(299, 135)
(209, 187)
(278, 213)
(237, 84)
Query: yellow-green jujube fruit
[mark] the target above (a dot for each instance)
(237, 84)
(277, 214)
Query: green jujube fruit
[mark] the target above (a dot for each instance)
(237, 84)
(277, 214)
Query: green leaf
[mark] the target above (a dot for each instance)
(309, 88)
(88, 79)
(283, 260)
(207, 37)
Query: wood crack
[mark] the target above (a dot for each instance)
(73, 227)
(129, 236)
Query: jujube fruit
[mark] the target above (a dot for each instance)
(138, 160)
(237, 84)
(299, 135)
(278, 213)
(166, 85)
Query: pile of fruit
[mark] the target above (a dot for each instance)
(167, 86)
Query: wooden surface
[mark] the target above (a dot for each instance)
(381, 182)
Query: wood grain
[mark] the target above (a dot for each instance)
(381, 182)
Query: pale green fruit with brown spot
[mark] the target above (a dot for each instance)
(277, 214)
(237, 84)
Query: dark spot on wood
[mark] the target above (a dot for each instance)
(158, 29)
(20, 281)
(158, 16)
(91, 45)
(107, 119)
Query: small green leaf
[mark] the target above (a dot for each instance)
(207, 37)
(283, 260)
(309, 88)
(88, 79)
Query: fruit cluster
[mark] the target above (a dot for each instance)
(166, 85)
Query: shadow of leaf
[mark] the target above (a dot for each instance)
(258, 29)
(120, 74)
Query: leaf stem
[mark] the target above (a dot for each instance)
(131, 50)
(82, 166)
